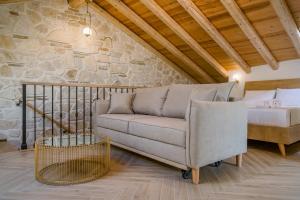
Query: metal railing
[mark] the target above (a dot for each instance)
(59, 99)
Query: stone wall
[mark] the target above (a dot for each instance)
(42, 41)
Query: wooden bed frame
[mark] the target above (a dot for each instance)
(281, 136)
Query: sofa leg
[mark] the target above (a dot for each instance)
(239, 160)
(195, 175)
(282, 149)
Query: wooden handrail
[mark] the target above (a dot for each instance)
(80, 85)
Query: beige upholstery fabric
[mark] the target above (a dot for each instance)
(163, 150)
(118, 122)
(279, 117)
(201, 95)
(163, 129)
(100, 107)
(213, 131)
(149, 101)
(216, 131)
(179, 95)
(223, 90)
(121, 103)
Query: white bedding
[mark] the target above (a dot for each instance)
(280, 117)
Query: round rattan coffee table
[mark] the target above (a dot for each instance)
(71, 159)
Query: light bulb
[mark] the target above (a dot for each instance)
(236, 77)
(87, 31)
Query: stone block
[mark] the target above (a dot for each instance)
(6, 42)
(118, 68)
(6, 71)
(8, 124)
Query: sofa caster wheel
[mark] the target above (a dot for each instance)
(216, 164)
(186, 174)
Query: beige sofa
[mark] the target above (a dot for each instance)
(186, 132)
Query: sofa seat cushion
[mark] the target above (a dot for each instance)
(163, 129)
(117, 122)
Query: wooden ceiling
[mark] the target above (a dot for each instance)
(206, 38)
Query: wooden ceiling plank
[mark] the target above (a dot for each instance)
(211, 30)
(178, 30)
(122, 8)
(135, 37)
(287, 22)
(76, 4)
(244, 24)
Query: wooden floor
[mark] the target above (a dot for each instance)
(264, 175)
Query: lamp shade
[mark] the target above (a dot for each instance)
(87, 31)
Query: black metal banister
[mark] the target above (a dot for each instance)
(64, 109)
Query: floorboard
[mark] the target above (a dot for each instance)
(264, 175)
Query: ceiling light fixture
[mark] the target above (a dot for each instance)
(87, 31)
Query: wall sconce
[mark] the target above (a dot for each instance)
(236, 77)
(87, 31)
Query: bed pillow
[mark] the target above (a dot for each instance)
(288, 97)
(149, 101)
(258, 98)
(121, 103)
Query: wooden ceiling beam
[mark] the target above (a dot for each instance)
(135, 37)
(244, 24)
(210, 29)
(11, 1)
(76, 4)
(133, 17)
(179, 31)
(287, 22)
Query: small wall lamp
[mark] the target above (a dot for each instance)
(87, 31)
(236, 77)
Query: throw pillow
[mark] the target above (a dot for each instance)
(121, 103)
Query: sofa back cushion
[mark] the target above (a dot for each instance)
(200, 95)
(149, 101)
(179, 95)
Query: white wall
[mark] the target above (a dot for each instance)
(287, 70)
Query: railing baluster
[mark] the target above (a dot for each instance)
(34, 113)
(97, 93)
(52, 114)
(91, 113)
(127, 90)
(76, 113)
(44, 115)
(83, 115)
(103, 93)
(24, 137)
(60, 114)
(69, 114)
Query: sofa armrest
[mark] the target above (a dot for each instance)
(216, 131)
(99, 107)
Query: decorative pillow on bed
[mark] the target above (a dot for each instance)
(259, 98)
(288, 97)
(121, 103)
(149, 101)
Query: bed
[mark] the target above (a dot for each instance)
(277, 125)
